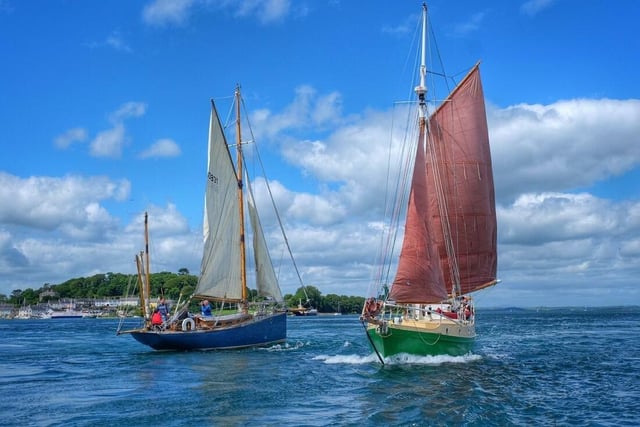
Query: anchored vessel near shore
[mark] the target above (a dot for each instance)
(223, 275)
(449, 245)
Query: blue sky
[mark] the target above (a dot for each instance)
(104, 109)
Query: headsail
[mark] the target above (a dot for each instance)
(266, 281)
(459, 169)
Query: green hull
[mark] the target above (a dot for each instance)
(421, 343)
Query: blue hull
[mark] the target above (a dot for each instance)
(256, 332)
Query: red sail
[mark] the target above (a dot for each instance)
(459, 165)
(419, 276)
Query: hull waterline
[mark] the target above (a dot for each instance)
(262, 331)
(444, 339)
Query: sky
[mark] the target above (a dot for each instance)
(104, 112)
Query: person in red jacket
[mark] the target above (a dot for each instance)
(156, 318)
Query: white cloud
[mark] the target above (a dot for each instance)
(543, 217)
(30, 261)
(167, 12)
(161, 148)
(117, 42)
(308, 110)
(128, 110)
(49, 203)
(69, 137)
(109, 143)
(564, 145)
(266, 11)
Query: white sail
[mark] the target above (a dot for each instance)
(266, 280)
(220, 273)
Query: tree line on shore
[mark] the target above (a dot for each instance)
(170, 285)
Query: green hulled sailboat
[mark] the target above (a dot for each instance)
(449, 245)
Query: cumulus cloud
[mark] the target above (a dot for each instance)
(110, 142)
(161, 148)
(65, 204)
(536, 218)
(564, 145)
(58, 258)
(307, 110)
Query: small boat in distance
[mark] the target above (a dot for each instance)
(449, 244)
(66, 314)
(301, 310)
(238, 322)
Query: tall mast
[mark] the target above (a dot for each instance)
(243, 262)
(146, 250)
(421, 90)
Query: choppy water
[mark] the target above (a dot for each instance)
(555, 367)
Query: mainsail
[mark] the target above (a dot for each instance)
(463, 214)
(220, 271)
(450, 232)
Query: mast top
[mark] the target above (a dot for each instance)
(421, 90)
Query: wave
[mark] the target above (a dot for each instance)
(398, 359)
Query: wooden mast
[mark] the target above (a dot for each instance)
(141, 286)
(146, 254)
(243, 261)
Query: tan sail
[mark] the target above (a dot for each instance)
(220, 272)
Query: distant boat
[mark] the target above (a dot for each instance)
(449, 246)
(66, 314)
(223, 276)
(301, 310)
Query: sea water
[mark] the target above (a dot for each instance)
(575, 366)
